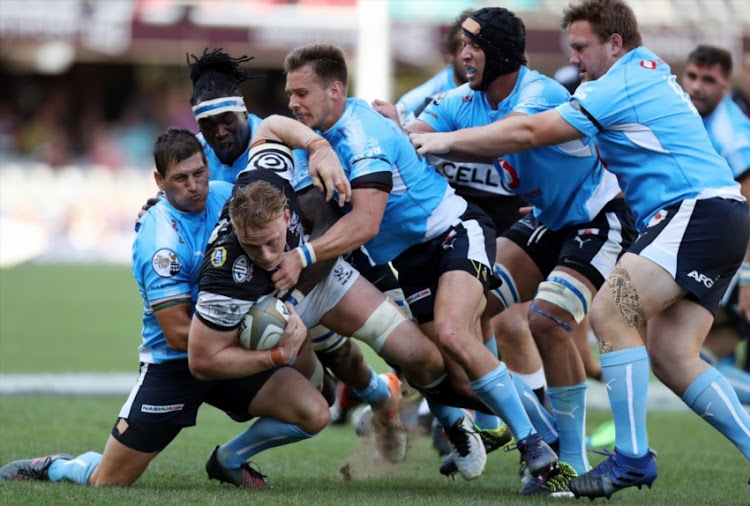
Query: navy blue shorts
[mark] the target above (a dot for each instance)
(590, 248)
(168, 393)
(701, 243)
(468, 245)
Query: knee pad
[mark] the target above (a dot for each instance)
(324, 340)
(566, 292)
(381, 323)
(146, 438)
(397, 296)
(507, 292)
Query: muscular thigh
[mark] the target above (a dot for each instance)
(466, 247)
(700, 243)
(519, 268)
(640, 289)
(354, 308)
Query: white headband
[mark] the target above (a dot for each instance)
(218, 106)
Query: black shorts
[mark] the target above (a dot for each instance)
(168, 393)
(468, 245)
(701, 243)
(591, 248)
(382, 276)
(503, 210)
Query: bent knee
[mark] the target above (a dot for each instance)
(550, 326)
(315, 419)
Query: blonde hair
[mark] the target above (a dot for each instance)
(256, 204)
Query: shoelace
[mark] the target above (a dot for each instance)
(36, 471)
(253, 477)
(529, 447)
(606, 465)
(459, 437)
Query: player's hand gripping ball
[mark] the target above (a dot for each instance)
(263, 326)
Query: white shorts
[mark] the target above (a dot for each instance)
(327, 293)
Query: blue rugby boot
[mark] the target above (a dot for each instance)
(539, 457)
(614, 474)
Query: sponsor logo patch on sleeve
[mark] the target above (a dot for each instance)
(166, 263)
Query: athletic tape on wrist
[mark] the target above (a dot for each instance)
(745, 274)
(306, 254)
(277, 359)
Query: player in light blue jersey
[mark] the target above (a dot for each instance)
(692, 219)
(167, 256)
(560, 254)
(479, 184)
(706, 80)
(168, 250)
(219, 108)
(453, 74)
(403, 211)
(226, 129)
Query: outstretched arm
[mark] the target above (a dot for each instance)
(348, 233)
(324, 166)
(510, 135)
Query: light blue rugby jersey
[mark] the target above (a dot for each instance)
(650, 134)
(729, 131)
(566, 183)
(167, 255)
(411, 100)
(228, 173)
(421, 204)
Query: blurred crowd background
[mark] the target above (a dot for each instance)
(87, 85)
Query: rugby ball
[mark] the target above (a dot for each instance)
(263, 326)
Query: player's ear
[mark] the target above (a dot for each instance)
(159, 180)
(337, 89)
(615, 44)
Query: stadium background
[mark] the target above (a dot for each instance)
(88, 84)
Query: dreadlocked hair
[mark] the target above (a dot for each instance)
(216, 74)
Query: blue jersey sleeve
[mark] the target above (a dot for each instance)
(161, 261)
(729, 131)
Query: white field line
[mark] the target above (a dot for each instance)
(660, 398)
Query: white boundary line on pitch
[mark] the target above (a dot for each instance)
(660, 398)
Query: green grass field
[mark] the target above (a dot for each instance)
(56, 318)
(68, 318)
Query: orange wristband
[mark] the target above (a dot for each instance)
(277, 359)
(311, 147)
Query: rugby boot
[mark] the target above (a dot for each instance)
(492, 439)
(243, 477)
(614, 474)
(31, 469)
(537, 455)
(390, 434)
(556, 483)
(467, 449)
